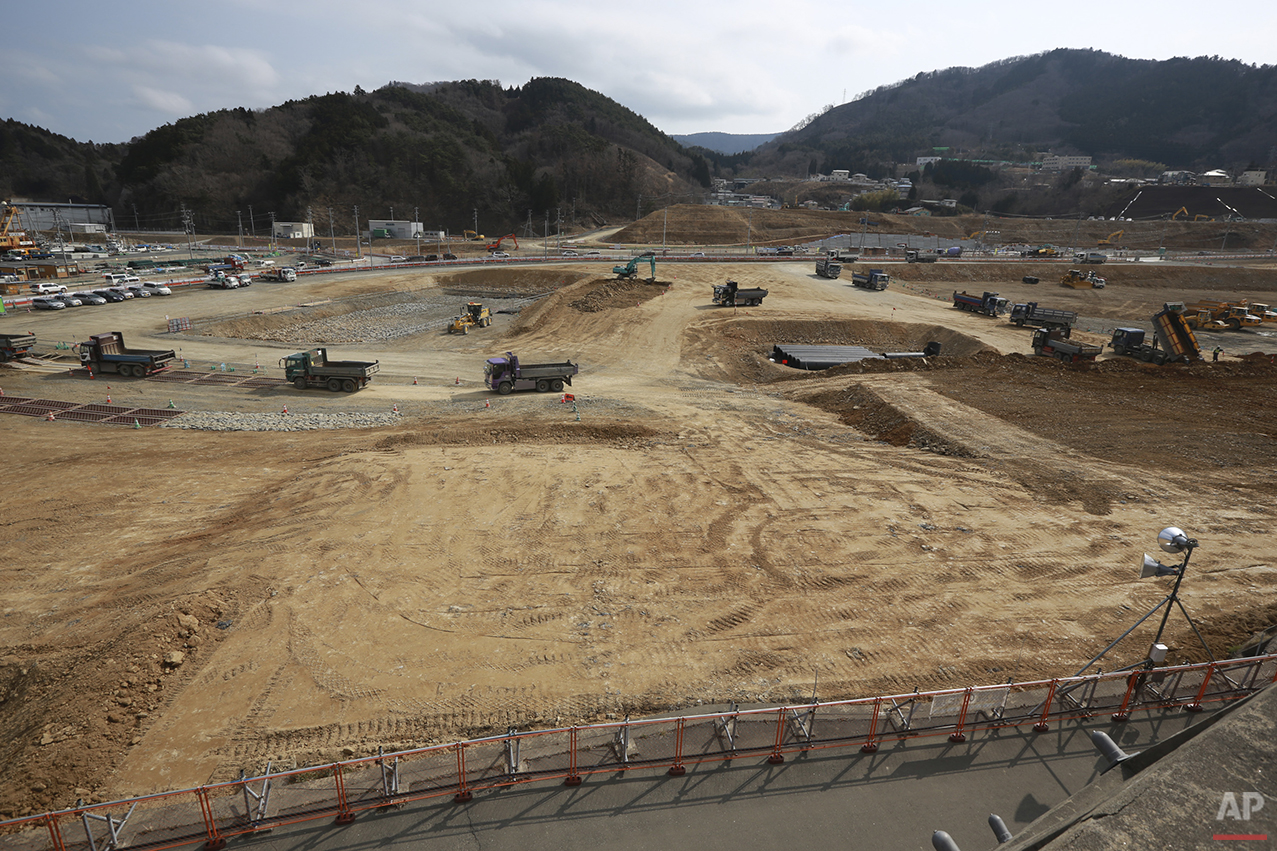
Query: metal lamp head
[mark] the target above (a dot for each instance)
(1172, 540)
(1153, 567)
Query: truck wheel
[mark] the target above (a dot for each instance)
(139, 371)
(543, 386)
(300, 382)
(557, 385)
(504, 388)
(334, 384)
(349, 385)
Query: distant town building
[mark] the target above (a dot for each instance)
(840, 174)
(1058, 163)
(1178, 178)
(922, 162)
(293, 230)
(1253, 178)
(397, 229)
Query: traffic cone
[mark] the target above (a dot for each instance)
(486, 404)
(49, 416)
(108, 398)
(285, 409)
(91, 375)
(136, 424)
(395, 409)
(414, 380)
(170, 404)
(458, 381)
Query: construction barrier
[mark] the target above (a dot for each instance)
(341, 790)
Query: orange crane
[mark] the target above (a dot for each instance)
(11, 237)
(496, 246)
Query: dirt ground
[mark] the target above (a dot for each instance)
(702, 526)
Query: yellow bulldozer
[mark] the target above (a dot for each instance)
(474, 315)
(1079, 280)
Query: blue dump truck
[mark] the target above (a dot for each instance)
(507, 374)
(107, 353)
(990, 304)
(875, 279)
(1178, 343)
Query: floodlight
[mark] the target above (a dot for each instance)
(1153, 567)
(1173, 540)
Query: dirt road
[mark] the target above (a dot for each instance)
(712, 527)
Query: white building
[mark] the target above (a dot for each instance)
(1253, 178)
(398, 229)
(293, 230)
(1058, 163)
(924, 161)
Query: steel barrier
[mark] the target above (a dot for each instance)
(341, 790)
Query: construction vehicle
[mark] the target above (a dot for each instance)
(1079, 280)
(1053, 343)
(496, 246)
(913, 256)
(630, 270)
(1090, 257)
(1030, 279)
(1262, 311)
(473, 315)
(1031, 313)
(730, 294)
(284, 274)
(1112, 238)
(14, 241)
(505, 375)
(314, 369)
(107, 353)
(876, 279)
(828, 267)
(1175, 215)
(989, 304)
(16, 345)
(1042, 251)
(472, 236)
(1173, 340)
(1210, 315)
(1202, 217)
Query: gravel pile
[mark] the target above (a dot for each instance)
(378, 324)
(232, 421)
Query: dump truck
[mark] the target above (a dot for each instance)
(507, 374)
(107, 353)
(731, 294)
(1079, 280)
(989, 304)
(912, 256)
(473, 315)
(1031, 313)
(876, 279)
(1053, 343)
(16, 345)
(1173, 341)
(314, 369)
(828, 267)
(284, 274)
(1221, 316)
(1263, 311)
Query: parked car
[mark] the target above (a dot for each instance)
(398, 258)
(44, 288)
(45, 302)
(499, 255)
(419, 258)
(89, 298)
(124, 291)
(449, 256)
(69, 299)
(139, 291)
(110, 295)
(568, 252)
(323, 262)
(156, 288)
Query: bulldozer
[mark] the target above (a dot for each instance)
(1079, 280)
(474, 315)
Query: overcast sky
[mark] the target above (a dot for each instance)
(107, 72)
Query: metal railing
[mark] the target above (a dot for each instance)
(340, 790)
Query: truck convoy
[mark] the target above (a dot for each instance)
(1053, 343)
(473, 315)
(314, 369)
(107, 353)
(730, 294)
(507, 374)
(16, 345)
(990, 304)
(1043, 317)
(875, 280)
(828, 267)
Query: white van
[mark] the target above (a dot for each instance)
(116, 278)
(43, 288)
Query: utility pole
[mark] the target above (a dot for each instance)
(359, 251)
(189, 226)
(476, 222)
(332, 233)
(272, 229)
(310, 228)
(239, 219)
(136, 226)
(416, 228)
(638, 208)
(252, 228)
(665, 228)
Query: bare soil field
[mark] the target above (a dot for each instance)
(702, 526)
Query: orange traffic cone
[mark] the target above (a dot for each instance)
(458, 381)
(395, 409)
(108, 398)
(49, 416)
(486, 404)
(285, 409)
(414, 380)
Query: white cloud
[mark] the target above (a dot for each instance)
(170, 103)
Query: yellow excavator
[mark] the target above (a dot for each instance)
(1112, 238)
(474, 315)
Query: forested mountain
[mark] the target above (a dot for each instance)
(1192, 114)
(442, 152)
(448, 151)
